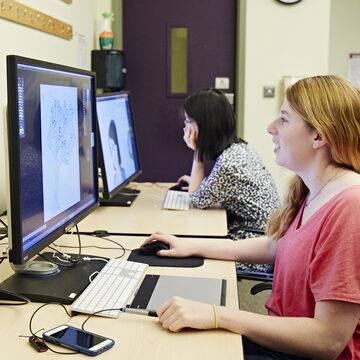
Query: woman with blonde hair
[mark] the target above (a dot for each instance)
(313, 238)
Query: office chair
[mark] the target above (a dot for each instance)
(261, 287)
(265, 277)
(247, 290)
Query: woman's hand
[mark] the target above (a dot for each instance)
(178, 247)
(184, 178)
(190, 136)
(178, 313)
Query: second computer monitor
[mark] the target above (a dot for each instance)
(118, 156)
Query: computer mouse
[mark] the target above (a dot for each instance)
(179, 186)
(153, 247)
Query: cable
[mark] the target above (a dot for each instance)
(57, 303)
(72, 262)
(100, 247)
(78, 234)
(3, 237)
(4, 224)
(13, 297)
(91, 276)
(96, 312)
(3, 232)
(115, 242)
(149, 184)
(87, 246)
(40, 337)
(95, 259)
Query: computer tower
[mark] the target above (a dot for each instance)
(110, 69)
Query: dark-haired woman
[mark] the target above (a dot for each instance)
(239, 180)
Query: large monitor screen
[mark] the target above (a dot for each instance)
(52, 154)
(119, 156)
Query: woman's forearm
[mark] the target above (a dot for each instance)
(259, 250)
(197, 175)
(254, 250)
(308, 337)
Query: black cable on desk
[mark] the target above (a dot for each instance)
(8, 298)
(101, 247)
(4, 224)
(3, 231)
(33, 335)
(3, 237)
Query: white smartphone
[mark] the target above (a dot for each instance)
(79, 340)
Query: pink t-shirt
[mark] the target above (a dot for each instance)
(320, 260)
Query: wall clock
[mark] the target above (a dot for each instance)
(289, 2)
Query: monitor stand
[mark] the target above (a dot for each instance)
(63, 287)
(124, 198)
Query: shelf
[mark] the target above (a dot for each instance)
(25, 15)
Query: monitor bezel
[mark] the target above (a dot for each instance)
(106, 193)
(17, 255)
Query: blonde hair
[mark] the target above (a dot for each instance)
(331, 105)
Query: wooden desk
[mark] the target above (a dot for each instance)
(136, 337)
(146, 216)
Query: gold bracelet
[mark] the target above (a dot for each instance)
(215, 316)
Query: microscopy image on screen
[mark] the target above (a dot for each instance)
(60, 148)
(117, 140)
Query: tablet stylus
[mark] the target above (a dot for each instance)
(140, 311)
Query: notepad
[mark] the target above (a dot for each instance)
(156, 289)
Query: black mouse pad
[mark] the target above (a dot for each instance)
(154, 260)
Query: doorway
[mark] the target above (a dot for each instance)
(174, 48)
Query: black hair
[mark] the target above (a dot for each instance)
(216, 121)
(113, 136)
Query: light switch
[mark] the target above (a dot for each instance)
(269, 91)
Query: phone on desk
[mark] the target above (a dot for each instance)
(79, 340)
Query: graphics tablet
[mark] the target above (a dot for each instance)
(156, 289)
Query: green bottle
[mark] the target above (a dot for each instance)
(106, 36)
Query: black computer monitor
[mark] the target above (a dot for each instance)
(118, 154)
(52, 166)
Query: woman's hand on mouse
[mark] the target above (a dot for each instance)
(178, 313)
(190, 136)
(184, 178)
(178, 247)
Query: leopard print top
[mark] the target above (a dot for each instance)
(240, 182)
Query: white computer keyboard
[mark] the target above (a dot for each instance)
(177, 200)
(111, 289)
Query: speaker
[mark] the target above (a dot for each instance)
(110, 69)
